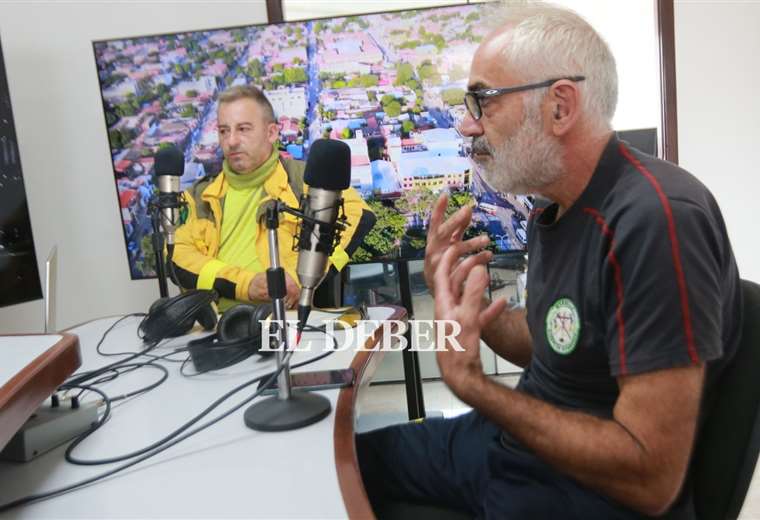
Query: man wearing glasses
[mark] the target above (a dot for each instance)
(633, 303)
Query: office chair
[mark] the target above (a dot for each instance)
(727, 449)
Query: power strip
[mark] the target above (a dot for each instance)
(48, 428)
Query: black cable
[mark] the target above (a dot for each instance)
(99, 350)
(167, 443)
(160, 446)
(109, 329)
(78, 379)
(197, 418)
(85, 376)
(109, 400)
(131, 367)
(56, 492)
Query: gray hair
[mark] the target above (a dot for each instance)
(547, 41)
(249, 92)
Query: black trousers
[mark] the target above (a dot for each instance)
(462, 463)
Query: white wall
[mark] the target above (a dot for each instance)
(63, 143)
(718, 90)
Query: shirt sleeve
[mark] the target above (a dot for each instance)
(661, 288)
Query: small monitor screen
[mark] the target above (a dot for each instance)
(19, 276)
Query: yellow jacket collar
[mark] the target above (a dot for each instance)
(276, 187)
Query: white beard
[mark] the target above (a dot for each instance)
(526, 162)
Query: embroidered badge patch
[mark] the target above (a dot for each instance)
(563, 326)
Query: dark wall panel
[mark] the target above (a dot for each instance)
(19, 276)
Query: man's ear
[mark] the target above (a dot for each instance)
(273, 133)
(565, 103)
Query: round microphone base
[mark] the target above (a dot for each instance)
(276, 415)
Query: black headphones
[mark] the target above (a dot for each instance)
(175, 316)
(237, 336)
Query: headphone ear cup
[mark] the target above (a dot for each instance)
(207, 317)
(158, 304)
(236, 322)
(175, 316)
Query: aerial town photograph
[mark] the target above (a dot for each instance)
(390, 85)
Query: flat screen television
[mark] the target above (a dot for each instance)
(19, 274)
(390, 85)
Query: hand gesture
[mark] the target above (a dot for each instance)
(443, 234)
(459, 296)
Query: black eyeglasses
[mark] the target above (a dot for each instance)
(473, 98)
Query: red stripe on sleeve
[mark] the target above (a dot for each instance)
(675, 251)
(606, 231)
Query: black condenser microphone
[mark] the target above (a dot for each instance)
(327, 174)
(169, 167)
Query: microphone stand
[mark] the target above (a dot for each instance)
(162, 225)
(289, 409)
(158, 250)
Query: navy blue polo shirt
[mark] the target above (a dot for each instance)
(637, 275)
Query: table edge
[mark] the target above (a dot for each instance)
(352, 489)
(25, 391)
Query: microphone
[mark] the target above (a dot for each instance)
(328, 173)
(169, 167)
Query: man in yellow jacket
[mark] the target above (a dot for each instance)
(223, 245)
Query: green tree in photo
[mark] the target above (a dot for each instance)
(458, 199)
(256, 68)
(438, 41)
(385, 238)
(453, 96)
(428, 72)
(364, 80)
(417, 201)
(407, 126)
(114, 136)
(188, 111)
(404, 72)
(393, 109)
(410, 44)
(294, 75)
(111, 118)
(126, 109)
(148, 264)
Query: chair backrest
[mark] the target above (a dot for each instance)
(727, 450)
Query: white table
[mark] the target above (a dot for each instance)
(226, 471)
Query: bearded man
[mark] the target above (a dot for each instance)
(633, 304)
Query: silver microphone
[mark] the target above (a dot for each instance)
(328, 173)
(322, 206)
(169, 167)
